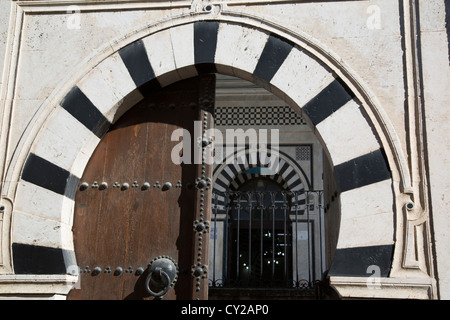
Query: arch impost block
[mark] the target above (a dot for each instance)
(6, 209)
(36, 286)
(384, 288)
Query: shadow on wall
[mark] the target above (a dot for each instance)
(447, 25)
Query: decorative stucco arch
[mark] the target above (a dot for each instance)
(156, 57)
(231, 174)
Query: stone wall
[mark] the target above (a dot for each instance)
(392, 55)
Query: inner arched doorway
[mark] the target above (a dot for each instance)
(269, 222)
(273, 231)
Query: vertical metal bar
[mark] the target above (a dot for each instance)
(215, 197)
(250, 206)
(274, 195)
(296, 235)
(228, 213)
(261, 198)
(238, 236)
(308, 227)
(320, 231)
(285, 239)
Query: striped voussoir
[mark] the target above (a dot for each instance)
(58, 156)
(231, 176)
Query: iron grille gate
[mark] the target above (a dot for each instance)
(266, 239)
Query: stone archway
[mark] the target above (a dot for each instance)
(278, 62)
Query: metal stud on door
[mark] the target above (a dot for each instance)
(204, 191)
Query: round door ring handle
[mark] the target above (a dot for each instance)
(162, 292)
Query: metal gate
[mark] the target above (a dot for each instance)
(267, 239)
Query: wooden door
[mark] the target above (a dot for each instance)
(135, 206)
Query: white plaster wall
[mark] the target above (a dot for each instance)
(436, 72)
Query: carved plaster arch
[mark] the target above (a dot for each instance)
(231, 174)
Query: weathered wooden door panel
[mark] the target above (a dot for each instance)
(139, 205)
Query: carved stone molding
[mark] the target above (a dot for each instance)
(414, 235)
(50, 286)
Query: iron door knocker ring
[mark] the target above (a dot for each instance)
(163, 274)
(162, 292)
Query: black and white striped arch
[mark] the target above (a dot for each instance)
(45, 195)
(229, 176)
